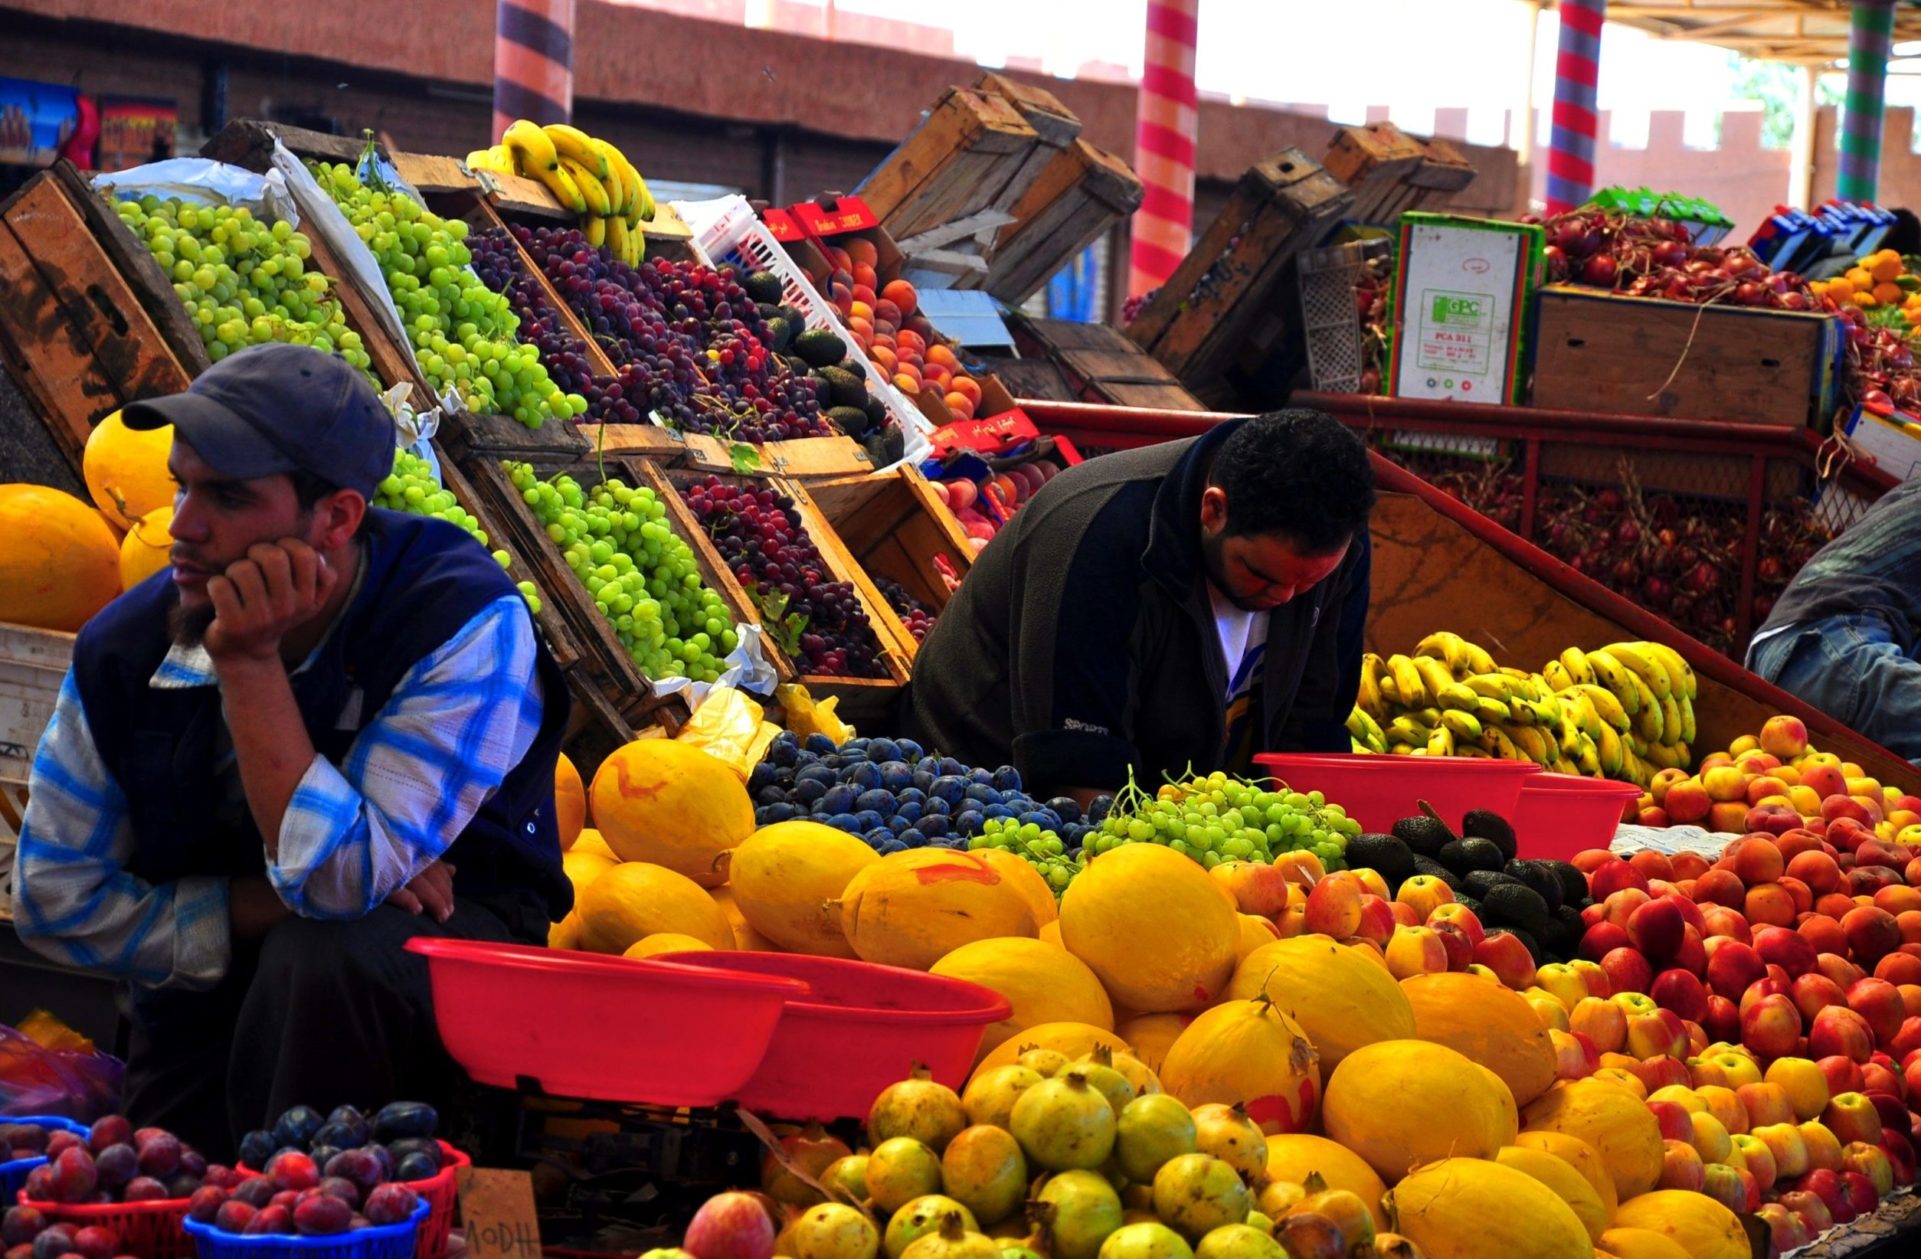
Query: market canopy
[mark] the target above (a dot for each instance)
(1803, 31)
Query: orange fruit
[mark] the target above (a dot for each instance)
(960, 405)
(902, 294)
(967, 388)
(860, 252)
(942, 355)
(1887, 293)
(570, 801)
(864, 275)
(907, 384)
(883, 355)
(1887, 267)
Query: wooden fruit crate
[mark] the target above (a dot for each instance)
(1225, 307)
(1101, 365)
(81, 326)
(1644, 356)
(1390, 172)
(33, 665)
(1056, 127)
(1076, 199)
(894, 524)
(972, 152)
(867, 697)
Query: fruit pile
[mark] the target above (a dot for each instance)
(397, 1141)
(411, 488)
(887, 326)
(244, 282)
(1622, 711)
(915, 615)
(1216, 818)
(587, 175)
(817, 621)
(1642, 257)
(642, 577)
(1879, 281)
(1002, 495)
(115, 1163)
(462, 331)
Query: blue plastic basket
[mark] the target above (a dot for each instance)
(382, 1241)
(13, 1175)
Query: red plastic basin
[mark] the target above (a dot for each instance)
(603, 1028)
(862, 1029)
(1560, 814)
(1378, 791)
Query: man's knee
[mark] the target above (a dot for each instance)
(298, 950)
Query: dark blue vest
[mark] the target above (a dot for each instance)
(424, 580)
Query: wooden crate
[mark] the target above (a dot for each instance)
(1390, 172)
(970, 153)
(1644, 356)
(33, 664)
(1077, 198)
(75, 327)
(895, 525)
(866, 697)
(1101, 365)
(1226, 305)
(1054, 124)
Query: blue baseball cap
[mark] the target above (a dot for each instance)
(275, 408)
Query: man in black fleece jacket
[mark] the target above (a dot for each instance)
(1186, 604)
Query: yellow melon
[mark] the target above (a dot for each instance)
(666, 942)
(786, 879)
(1151, 1035)
(1568, 1185)
(1579, 1155)
(564, 934)
(745, 937)
(637, 898)
(673, 805)
(1612, 1120)
(1402, 1103)
(913, 908)
(1070, 1040)
(1248, 1054)
(1341, 997)
(1256, 931)
(59, 562)
(1294, 1156)
(1043, 984)
(1050, 933)
(582, 868)
(1026, 880)
(1156, 929)
(1471, 1208)
(1493, 1025)
(1695, 1222)
(126, 470)
(147, 549)
(1640, 1243)
(570, 799)
(591, 841)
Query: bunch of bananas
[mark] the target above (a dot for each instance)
(587, 175)
(1622, 711)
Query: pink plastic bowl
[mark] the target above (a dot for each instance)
(1378, 791)
(1561, 815)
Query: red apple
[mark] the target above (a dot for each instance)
(1872, 933)
(1786, 1230)
(1508, 958)
(1723, 1184)
(1771, 1026)
(1681, 1167)
(1862, 1198)
(1766, 1104)
(1681, 992)
(1893, 1111)
(1828, 1186)
(1661, 1071)
(1837, 1030)
(1457, 947)
(1692, 956)
(1675, 1121)
(1879, 1002)
(1723, 1019)
(1773, 819)
(1901, 1152)
(1779, 946)
(1627, 970)
(1852, 1117)
(1815, 1216)
(1843, 1072)
(1603, 938)
(1732, 967)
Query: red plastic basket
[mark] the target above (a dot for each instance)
(601, 1028)
(1378, 791)
(147, 1230)
(1560, 815)
(440, 1191)
(862, 1029)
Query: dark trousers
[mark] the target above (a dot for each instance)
(317, 1013)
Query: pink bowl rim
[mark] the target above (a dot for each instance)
(1574, 785)
(534, 958)
(1491, 766)
(994, 1008)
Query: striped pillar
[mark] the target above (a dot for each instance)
(1166, 122)
(1870, 35)
(1577, 69)
(533, 61)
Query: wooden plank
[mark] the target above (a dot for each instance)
(1078, 197)
(898, 646)
(838, 455)
(1055, 124)
(47, 356)
(1101, 365)
(968, 155)
(896, 526)
(248, 142)
(1373, 161)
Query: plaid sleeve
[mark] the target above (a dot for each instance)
(457, 723)
(73, 898)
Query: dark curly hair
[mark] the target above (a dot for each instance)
(1298, 473)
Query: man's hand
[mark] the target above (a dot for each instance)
(431, 892)
(253, 907)
(260, 599)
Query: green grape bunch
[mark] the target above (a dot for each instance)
(243, 281)
(643, 577)
(1216, 818)
(1040, 847)
(411, 488)
(463, 332)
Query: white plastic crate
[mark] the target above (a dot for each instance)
(727, 231)
(33, 663)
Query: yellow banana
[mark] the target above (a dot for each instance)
(1555, 674)
(1362, 726)
(1440, 742)
(1650, 724)
(1404, 729)
(565, 190)
(496, 159)
(1456, 696)
(599, 204)
(621, 175)
(1607, 705)
(1688, 730)
(1405, 749)
(1646, 665)
(1370, 696)
(1498, 744)
(1446, 647)
(1532, 745)
(1569, 740)
(1434, 675)
(1615, 677)
(1492, 685)
(577, 146)
(594, 228)
(617, 238)
(1666, 756)
(1521, 713)
(533, 150)
(1574, 660)
(1610, 750)
(1489, 709)
(1679, 670)
(1407, 681)
(1585, 714)
(1671, 719)
(1471, 749)
(1463, 725)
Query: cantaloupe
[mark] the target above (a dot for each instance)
(913, 908)
(786, 880)
(671, 804)
(1041, 982)
(1402, 1103)
(1151, 1035)
(637, 898)
(1025, 880)
(1156, 929)
(1640, 1243)
(1340, 996)
(1248, 1054)
(1697, 1223)
(1490, 1024)
(59, 562)
(745, 937)
(1568, 1185)
(1472, 1208)
(1611, 1119)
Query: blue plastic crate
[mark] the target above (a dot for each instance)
(383, 1241)
(13, 1175)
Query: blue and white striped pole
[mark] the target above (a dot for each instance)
(1870, 39)
(1577, 74)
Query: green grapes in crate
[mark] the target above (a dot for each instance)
(411, 488)
(243, 281)
(462, 331)
(643, 577)
(1041, 848)
(1216, 818)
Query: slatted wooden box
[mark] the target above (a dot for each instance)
(972, 152)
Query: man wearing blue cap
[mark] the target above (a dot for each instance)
(326, 729)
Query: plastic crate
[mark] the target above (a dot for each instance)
(147, 1230)
(382, 1241)
(13, 1174)
(1329, 324)
(727, 231)
(441, 1192)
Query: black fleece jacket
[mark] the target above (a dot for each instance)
(1083, 643)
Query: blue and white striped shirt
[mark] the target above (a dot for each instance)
(456, 724)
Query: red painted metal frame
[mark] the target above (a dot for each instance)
(1092, 424)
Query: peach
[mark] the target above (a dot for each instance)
(1872, 933)
(1654, 865)
(1769, 1103)
(1838, 1031)
(1816, 869)
(1754, 859)
(1729, 816)
(1720, 887)
(1784, 736)
(1688, 865)
(1897, 900)
(1687, 802)
(1843, 1074)
(1766, 786)
(1825, 781)
(1728, 923)
(1768, 903)
(1879, 1002)
(1724, 784)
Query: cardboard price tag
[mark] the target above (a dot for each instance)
(497, 1212)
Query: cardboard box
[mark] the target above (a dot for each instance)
(1459, 316)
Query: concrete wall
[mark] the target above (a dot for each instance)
(1746, 180)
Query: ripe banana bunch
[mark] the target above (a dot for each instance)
(587, 175)
(1623, 711)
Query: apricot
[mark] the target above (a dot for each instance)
(960, 404)
(902, 294)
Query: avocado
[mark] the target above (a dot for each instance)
(1481, 882)
(780, 334)
(820, 347)
(1573, 883)
(876, 411)
(1563, 937)
(796, 364)
(1464, 855)
(850, 420)
(885, 447)
(1542, 880)
(1516, 905)
(1434, 869)
(1425, 835)
(1484, 824)
(1394, 859)
(846, 389)
(763, 286)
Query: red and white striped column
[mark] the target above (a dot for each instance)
(1166, 123)
(533, 61)
(1577, 74)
